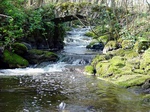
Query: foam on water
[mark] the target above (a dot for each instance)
(58, 67)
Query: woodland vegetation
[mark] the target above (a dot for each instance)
(122, 25)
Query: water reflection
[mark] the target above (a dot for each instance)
(45, 92)
(51, 86)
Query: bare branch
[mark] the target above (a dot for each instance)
(2, 15)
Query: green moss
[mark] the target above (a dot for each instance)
(89, 69)
(117, 61)
(102, 68)
(112, 44)
(119, 52)
(145, 61)
(130, 53)
(14, 60)
(114, 69)
(127, 44)
(90, 34)
(147, 69)
(146, 98)
(19, 48)
(97, 59)
(35, 51)
(126, 53)
(94, 41)
(141, 46)
(40, 55)
(131, 80)
(41, 52)
(138, 71)
(104, 38)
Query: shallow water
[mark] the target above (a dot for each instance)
(63, 87)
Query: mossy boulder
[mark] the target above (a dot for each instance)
(35, 56)
(127, 53)
(19, 48)
(118, 61)
(97, 59)
(90, 69)
(96, 46)
(127, 44)
(13, 60)
(109, 67)
(94, 41)
(131, 54)
(104, 38)
(111, 45)
(141, 46)
(145, 61)
(131, 80)
(146, 98)
(116, 65)
(102, 68)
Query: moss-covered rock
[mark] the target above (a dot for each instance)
(111, 45)
(146, 98)
(104, 38)
(131, 80)
(141, 46)
(127, 44)
(123, 68)
(19, 48)
(145, 61)
(109, 67)
(117, 61)
(35, 56)
(97, 59)
(130, 54)
(96, 46)
(13, 60)
(90, 69)
(102, 68)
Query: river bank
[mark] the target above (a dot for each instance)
(47, 86)
(125, 60)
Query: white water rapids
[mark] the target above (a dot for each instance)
(75, 44)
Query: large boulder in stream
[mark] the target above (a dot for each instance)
(35, 56)
(12, 60)
(19, 48)
(96, 46)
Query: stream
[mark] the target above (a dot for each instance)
(63, 86)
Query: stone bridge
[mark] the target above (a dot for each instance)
(69, 11)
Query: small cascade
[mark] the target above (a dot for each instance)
(62, 86)
(74, 53)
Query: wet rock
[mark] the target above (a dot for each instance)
(146, 86)
(19, 49)
(96, 46)
(35, 56)
(29, 47)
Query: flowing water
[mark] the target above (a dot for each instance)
(63, 87)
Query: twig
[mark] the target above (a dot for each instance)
(5, 16)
